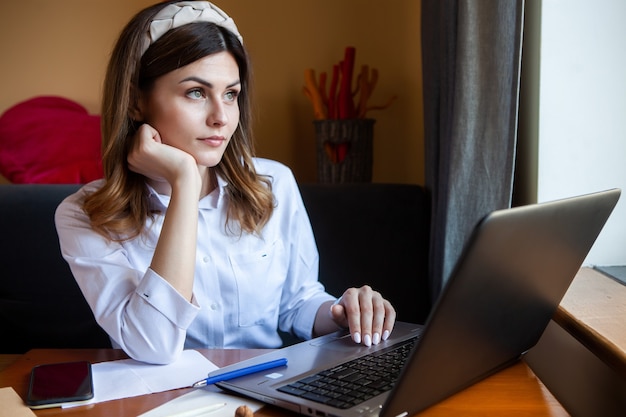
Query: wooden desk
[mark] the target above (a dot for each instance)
(514, 391)
(594, 311)
(581, 356)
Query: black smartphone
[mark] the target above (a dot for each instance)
(55, 384)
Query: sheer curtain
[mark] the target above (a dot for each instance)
(471, 70)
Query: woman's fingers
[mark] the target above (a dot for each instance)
(366, 313)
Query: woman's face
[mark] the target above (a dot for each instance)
(194, 108)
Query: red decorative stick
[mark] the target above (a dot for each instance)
(346, 105)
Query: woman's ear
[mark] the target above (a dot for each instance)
(135, 114)
(135, 110)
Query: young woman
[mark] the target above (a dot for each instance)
(189, 241)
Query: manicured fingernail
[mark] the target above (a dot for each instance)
(386, 335)
(356, 337)
(367, 340)
(376, 338)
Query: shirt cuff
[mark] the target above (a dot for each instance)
(157, 292)
(303, 325)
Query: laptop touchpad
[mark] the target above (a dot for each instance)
(340, 343)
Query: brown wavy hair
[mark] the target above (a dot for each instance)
(119, 209)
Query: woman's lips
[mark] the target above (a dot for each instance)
(213, 140)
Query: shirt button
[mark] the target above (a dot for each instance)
(214, 306)
(205, 259)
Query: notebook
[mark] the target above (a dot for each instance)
(501, 295)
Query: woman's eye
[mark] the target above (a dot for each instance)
(231, 95)
(195, 94)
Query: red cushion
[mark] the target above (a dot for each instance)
(50, 140)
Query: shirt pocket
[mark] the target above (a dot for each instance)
(259, 275)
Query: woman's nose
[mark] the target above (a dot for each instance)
(217, 115)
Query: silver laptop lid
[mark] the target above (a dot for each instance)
(502, 294)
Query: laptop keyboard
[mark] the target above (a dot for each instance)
(349, 384)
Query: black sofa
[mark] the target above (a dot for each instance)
(374, 234)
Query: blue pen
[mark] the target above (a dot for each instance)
(241, 372)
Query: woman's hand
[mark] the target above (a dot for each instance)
(156, 160)
(366, 313)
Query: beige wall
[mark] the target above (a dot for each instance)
(61, 47)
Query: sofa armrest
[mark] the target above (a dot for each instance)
(41, 305)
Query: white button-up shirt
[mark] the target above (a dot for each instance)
(245, 287)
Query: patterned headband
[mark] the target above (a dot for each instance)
(184, 12)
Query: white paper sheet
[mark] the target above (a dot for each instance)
(128, 378)
(199, 398)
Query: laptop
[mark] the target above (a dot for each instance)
(505, 288)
